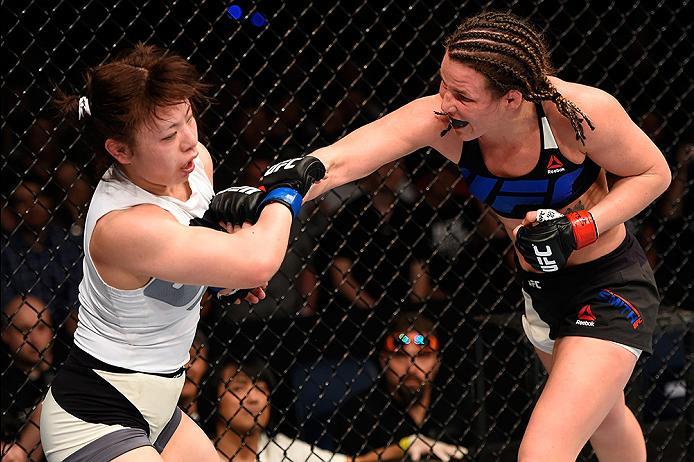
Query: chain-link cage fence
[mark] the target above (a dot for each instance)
(407, 242)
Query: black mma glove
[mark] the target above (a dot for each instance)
(547, 244)
(207, 222)
(236, 294)
(297, 174)
(288, 181)
(236, 205)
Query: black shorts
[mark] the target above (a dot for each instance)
(612, 298)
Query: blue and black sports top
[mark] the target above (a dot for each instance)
(554, 183)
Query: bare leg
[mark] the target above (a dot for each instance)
(585, 385)
(189, 443)
(144, 453)
(619, 436)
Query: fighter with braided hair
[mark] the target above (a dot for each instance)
(536, 149)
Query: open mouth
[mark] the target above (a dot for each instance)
(458, 123)
(189, 167)
(452, 123)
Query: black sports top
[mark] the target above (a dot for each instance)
(554, 183)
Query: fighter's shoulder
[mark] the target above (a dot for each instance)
(603, 110)
(132, 220)
(587, 98)
(422, 109)
(135, 229)
(418, 119)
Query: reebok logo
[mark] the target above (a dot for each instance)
(554, 165)
(586, 317)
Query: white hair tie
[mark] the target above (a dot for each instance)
(84, 110)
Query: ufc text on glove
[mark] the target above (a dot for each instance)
(298, 174)
(547, 244)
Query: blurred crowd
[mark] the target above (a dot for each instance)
(364, 345)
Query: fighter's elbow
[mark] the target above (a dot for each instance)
(664, 176)
(265, 265)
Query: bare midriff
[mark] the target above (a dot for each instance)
(608, 240)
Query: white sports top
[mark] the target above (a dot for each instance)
(149, 329)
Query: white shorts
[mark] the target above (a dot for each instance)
(537, 330)
(96, 415)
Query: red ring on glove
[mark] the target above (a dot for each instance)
(584, 228)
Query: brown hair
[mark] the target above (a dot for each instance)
(126, 93)
(512, 55)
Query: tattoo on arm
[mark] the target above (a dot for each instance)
(578, 206)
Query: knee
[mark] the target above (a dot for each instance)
(641, 455)
(525, 456)
(615, 419)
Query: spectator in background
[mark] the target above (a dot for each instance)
(243, 419)
(360, 274)
(195, 373)
(406, 408)
(677, 203)
(38, 257)
(77, 192)
(27, 357)
(677, 211)
(366, 261)
(670, 221)
(32, 142)
(244, 433)
(461, 245)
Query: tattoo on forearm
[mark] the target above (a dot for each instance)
(578, 206)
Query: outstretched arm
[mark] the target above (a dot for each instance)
(363, 151)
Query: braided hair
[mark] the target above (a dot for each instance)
(513, 56)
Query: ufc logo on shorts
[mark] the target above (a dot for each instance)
(286, 164)
(241, 189)
(546, 264)
(535, 284)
